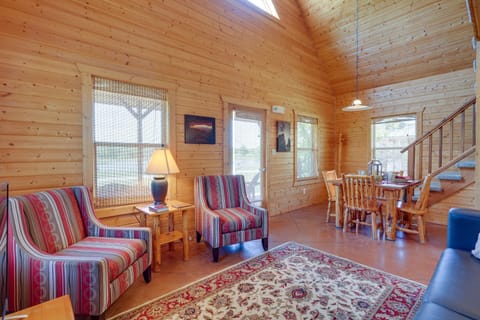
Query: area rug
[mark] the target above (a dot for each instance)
(291, 281)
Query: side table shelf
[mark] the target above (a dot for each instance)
(171, 235)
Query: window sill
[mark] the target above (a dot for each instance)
(306, 181)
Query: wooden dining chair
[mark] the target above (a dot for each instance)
(411, 215)
(331, 190)
(359, 201)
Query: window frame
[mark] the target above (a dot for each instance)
(87, 73)
(311, 179)
(373, 121)
(262, 11)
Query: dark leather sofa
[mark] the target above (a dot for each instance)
(454, 290)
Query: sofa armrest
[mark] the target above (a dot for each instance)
(463, 228)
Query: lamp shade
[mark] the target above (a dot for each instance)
(356, 106)
(162, 163)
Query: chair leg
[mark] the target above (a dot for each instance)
(215, 253)
(328, 210)
(374, 225)
(147, 274)
(357, 218)
(199, 236)
(421, 228)
(265, 243)
(346, 217)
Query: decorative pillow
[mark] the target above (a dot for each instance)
(476, 251)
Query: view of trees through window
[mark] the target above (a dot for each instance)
(306, 151)
(247, 153)
(389, 136)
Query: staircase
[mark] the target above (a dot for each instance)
(447, 152)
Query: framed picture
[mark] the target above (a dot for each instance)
(283, 136)
(199, 130)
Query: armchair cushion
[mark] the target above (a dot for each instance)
(236, 219)
(119, 253)
(463, 228)
(456, 275)
(222, 192)
(57, 212)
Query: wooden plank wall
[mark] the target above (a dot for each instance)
(398, 40)
(433, 97)
(205, 49)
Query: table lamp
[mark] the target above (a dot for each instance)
(161, 164)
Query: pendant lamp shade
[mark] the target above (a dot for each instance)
(357, 103)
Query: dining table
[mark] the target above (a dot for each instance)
(392, 191)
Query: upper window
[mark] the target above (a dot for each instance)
(306, 147)
(129, 122)
(390, 135)
(265, 5)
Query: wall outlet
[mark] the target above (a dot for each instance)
(304, 190)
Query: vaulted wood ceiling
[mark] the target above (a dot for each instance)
(399, 40)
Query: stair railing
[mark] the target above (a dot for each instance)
(452, 140)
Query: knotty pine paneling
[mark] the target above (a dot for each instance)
(205, 49)
(434, 97)
(398, 41)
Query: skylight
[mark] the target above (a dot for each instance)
(265, 5)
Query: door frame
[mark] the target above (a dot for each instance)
(227, 118)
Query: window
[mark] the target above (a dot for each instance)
(306, 147)
(129, 122)
(265, 5)
(390, 135)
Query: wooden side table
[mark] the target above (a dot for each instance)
(171, 235)
(59, 308)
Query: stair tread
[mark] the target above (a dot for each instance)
(450, 175)
(465, 164)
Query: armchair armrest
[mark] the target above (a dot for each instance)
(463, 228)
(258, 211)
(77, 274)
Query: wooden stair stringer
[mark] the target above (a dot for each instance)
(449, 188)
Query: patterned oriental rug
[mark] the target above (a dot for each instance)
(291, 281)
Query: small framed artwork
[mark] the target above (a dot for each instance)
(283, 136)
(199, 130)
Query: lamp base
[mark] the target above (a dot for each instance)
(159, 189)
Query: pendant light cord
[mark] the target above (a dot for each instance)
(356, 49)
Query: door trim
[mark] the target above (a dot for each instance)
(227, 118)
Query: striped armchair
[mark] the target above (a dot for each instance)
(223, 214)
(57, 246)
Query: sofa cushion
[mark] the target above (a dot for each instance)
(236, 219)
(433, 311)
(120, 253)
(222, 192)
(455, 283)
(53, 218)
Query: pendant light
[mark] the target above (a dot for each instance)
(357, 104)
